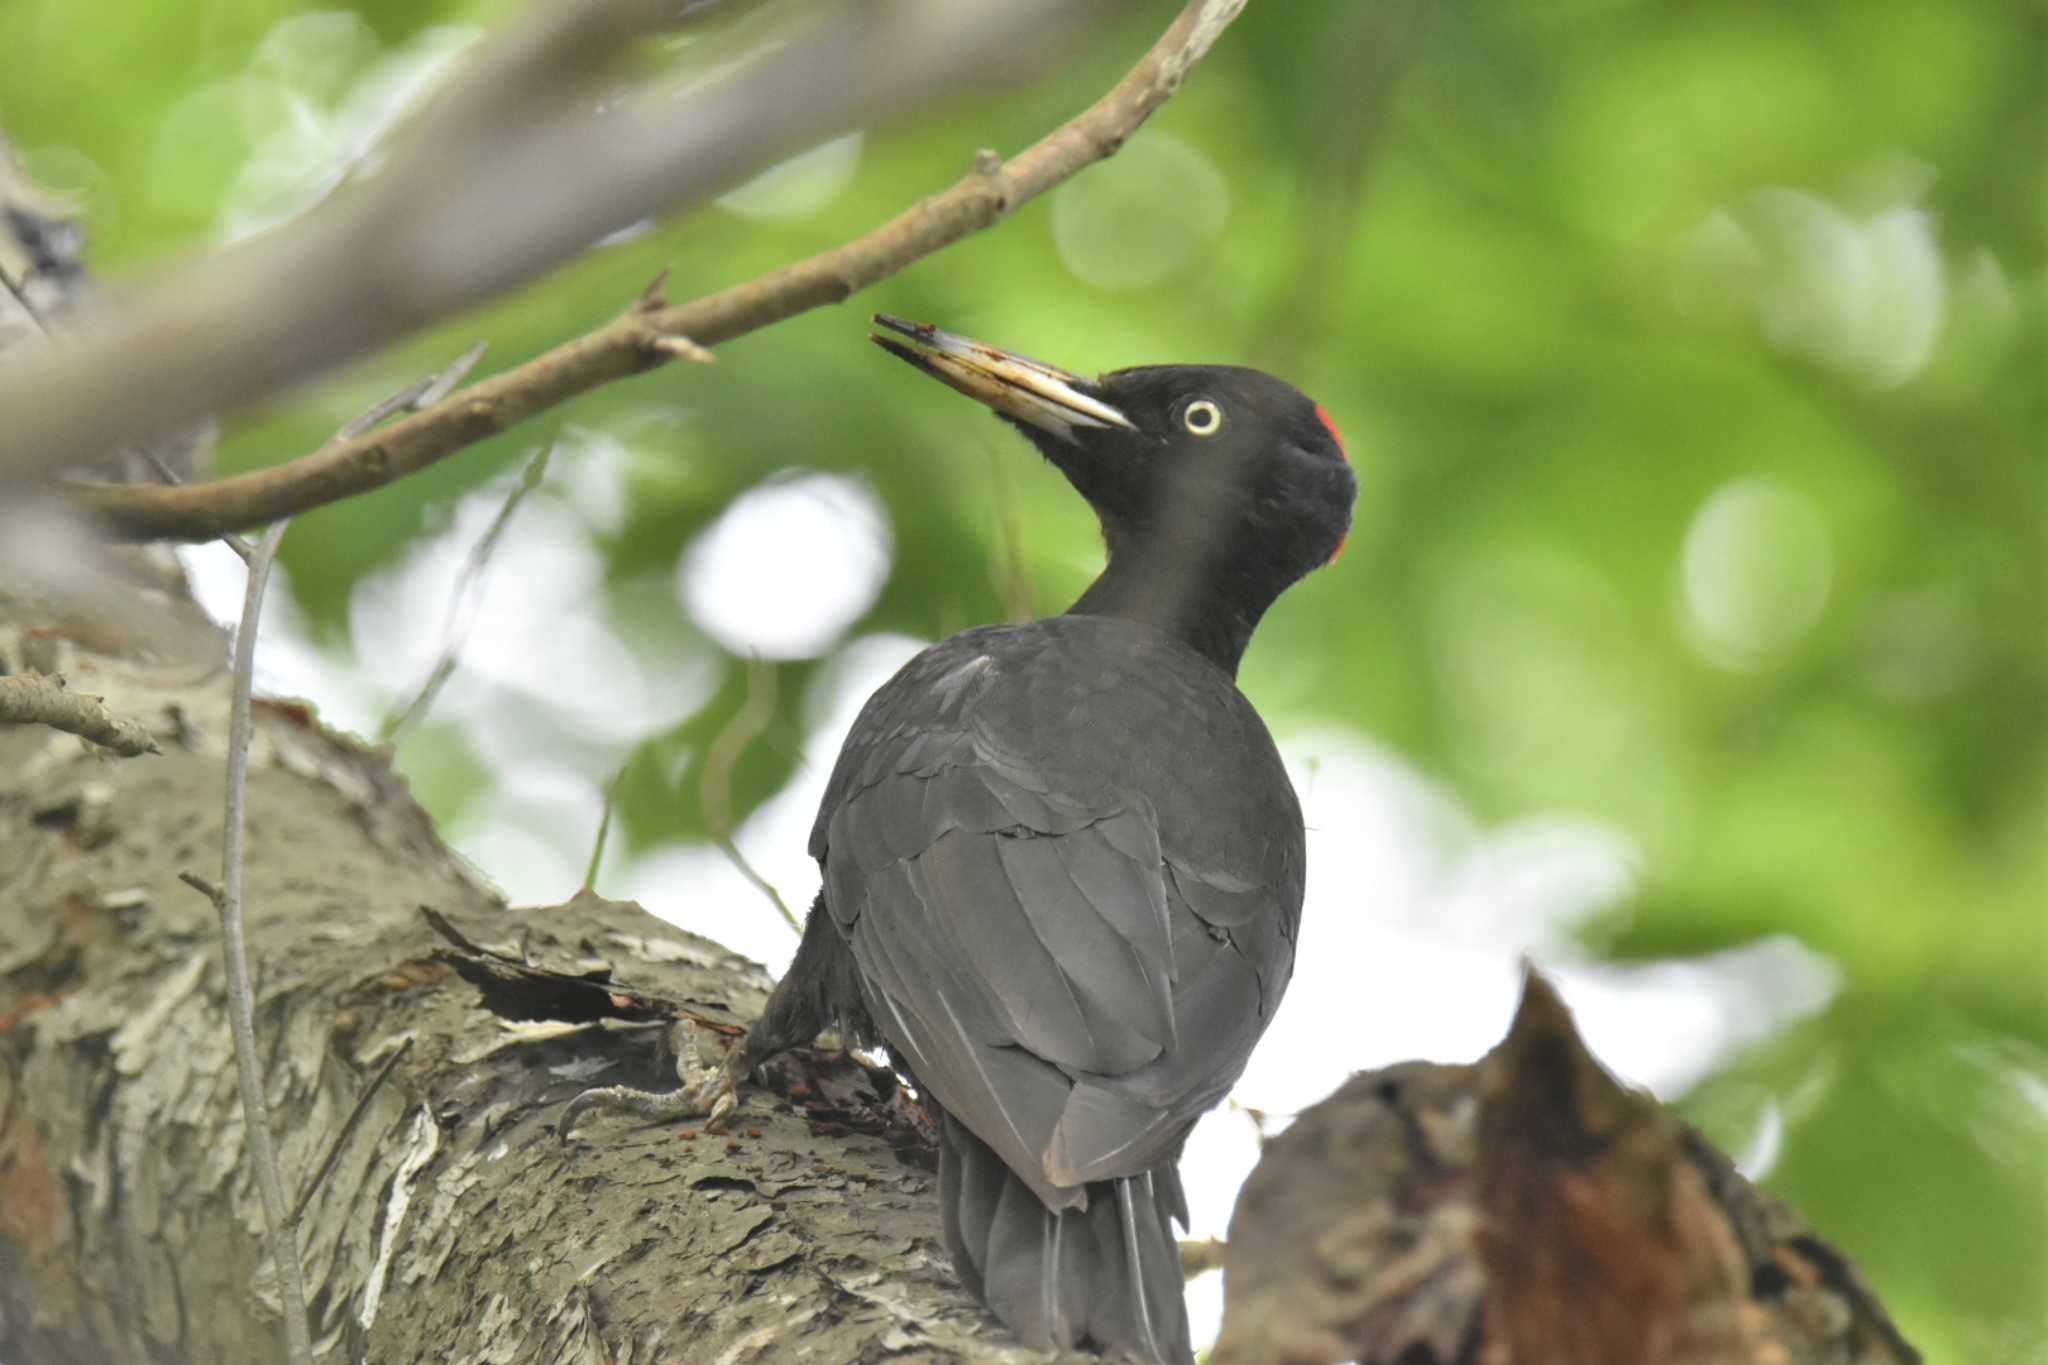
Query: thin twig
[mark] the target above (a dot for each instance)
(421, 393)
(40, 699)
(227, 899)
(348, 1126)
(632, 343)
(462, 603)
(723, 755)
(604, 829)
(443, 384)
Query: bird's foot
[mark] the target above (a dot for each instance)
(711, 1096)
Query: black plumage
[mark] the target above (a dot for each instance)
(1062, 860)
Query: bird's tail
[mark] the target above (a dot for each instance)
(1107, 1276)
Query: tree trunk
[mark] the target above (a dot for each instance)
(453, 1224)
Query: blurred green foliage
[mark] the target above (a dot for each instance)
(1586, 267)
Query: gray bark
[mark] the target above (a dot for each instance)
(454, 1224)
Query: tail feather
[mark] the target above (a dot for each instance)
(1107, 1276)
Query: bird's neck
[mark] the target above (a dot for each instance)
(1211, 612)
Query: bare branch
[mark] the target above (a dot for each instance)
(441, 385)
(635, 341)
(422, 393)
(164, 470)
(604, 830)
(38, 699)
(453, 218)
(227, 899)
(760, 883)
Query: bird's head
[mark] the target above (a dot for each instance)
(1217, 483)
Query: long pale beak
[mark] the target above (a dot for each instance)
(1018, 387)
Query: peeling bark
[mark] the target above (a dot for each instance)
(453, 1224)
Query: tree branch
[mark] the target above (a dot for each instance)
(34, 699)
(512, 172)
(282, 1225)
(639, 340)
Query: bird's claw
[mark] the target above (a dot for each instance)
(713, 1097)
(719, 1093)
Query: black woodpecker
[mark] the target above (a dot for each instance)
(1062, 860)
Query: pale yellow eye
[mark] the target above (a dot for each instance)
(1203, 418)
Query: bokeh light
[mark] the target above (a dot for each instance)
(1146, 223)
(788, 567)
(1755, 572)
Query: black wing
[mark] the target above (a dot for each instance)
(1068, 863)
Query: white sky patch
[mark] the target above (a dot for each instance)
(288, 663)
(533, 834)
(788, 567)
(588, 471)
(538, 624)
(1668, 1025)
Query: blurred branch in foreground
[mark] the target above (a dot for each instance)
(643, 336)
(508, 173)
(1527, 1210)
(33, 699)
